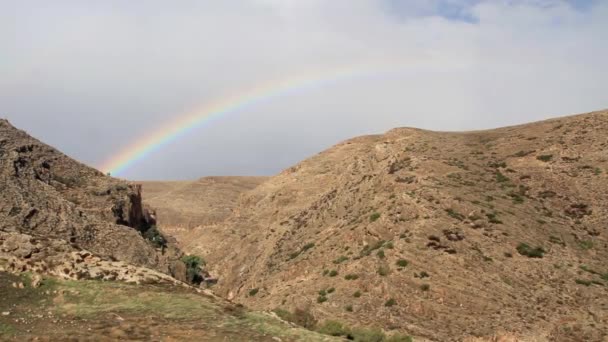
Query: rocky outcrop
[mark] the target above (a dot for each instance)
(47, 195)
(57, 258)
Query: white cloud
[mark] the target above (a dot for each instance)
(91, 78)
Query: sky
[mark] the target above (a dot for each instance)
(92, 78)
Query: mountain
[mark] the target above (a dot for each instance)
(183, 205)
(442, 235)
(47, 196)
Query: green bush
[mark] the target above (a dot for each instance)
(331, 290)
(153, 235)
(322, 292)
(390, 302)
(348, 308)
(253, 292)
(545, 157)
(351, 277)
(402, 263)
(321, 299)
(193, 264)
(425, 287)
(373, 217)
(526, 250)
(341, 259)
(500, 178)
(357, 294)
(380, 254)
(383, 271)
(333, 273)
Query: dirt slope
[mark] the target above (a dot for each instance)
(47, 195)
(442, 235)
(183, 205)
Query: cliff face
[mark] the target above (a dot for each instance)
(47, 194)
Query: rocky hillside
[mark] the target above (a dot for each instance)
(447, 236)
(184, 205)
(47, 196)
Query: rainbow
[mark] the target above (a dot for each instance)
(171, 131)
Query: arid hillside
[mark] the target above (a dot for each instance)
(183, 205)
(47, 197)
(447, 236)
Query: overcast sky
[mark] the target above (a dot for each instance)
(91, 77)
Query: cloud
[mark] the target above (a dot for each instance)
(90, 78)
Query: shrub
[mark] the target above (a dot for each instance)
(351, 276)
(380, 254)
(321, 299)
(383, 271)
(368, 249)
(526, 250)
(500, 178)
(333, 273)
(545, 157)
(373, 217)
(253, 292)
(455, 214)
(425, 287)
(389, 245)
(322, 292)
(357, 294)
(402, 263)
(341, 259)
(583, 282)
(390, 302)
(517, 198)
(333, 328)
(493, 219)
(153, 235)
(193, 264)
(423, 274)
(331, 290)
(585, 244)
(348, 308)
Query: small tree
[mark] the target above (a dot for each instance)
(193, 264)
(154, 236)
